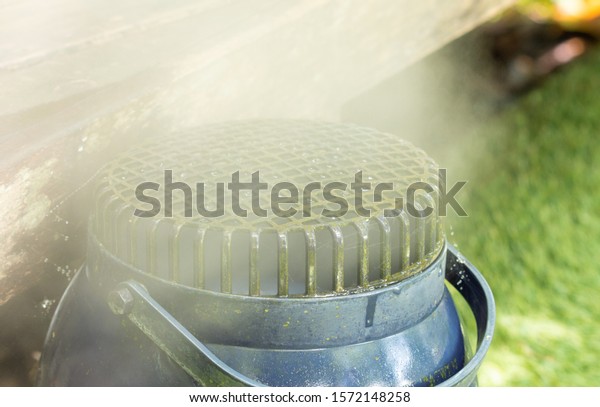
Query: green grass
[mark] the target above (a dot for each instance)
(547, 3)
(538, 8)
(534, 231)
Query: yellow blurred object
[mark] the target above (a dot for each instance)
(576, 11)
(578, 15)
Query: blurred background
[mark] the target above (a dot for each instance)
(511, 106)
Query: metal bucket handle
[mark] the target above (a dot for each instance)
(475, 290)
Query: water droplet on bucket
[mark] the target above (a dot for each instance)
(46, 303)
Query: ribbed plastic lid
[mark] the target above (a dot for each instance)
(285, 254)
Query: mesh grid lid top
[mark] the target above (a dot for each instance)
(272, 208)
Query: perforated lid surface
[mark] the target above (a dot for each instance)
(298, 251)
